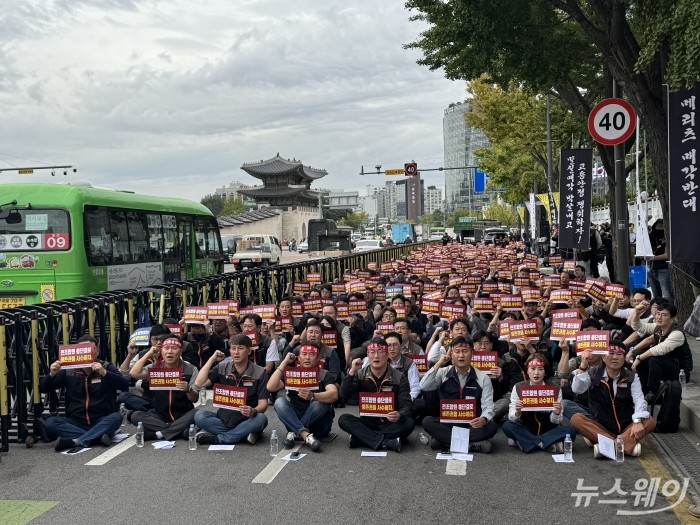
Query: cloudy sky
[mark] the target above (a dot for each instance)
(170, 97)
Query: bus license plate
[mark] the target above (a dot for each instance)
(11, 302)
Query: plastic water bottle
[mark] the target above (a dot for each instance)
(681, 378)
(568, 448)
(203, 397)
(274, 444)
(619, 450)
(139, 435)
(123, 411)
(193, 439)
(423, 439)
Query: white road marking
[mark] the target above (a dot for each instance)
(113, 452)
(456, 467)
(275, 466)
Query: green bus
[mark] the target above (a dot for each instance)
(63, 240)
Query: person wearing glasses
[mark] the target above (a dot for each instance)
(616, 404)
(383, 432)
(669, 350)
(461, 381)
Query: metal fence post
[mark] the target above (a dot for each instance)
(112, 334)
(5, 420)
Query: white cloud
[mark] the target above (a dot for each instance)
(172, 97)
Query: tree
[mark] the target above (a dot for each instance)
(214, 202)
(514, 121)
(503, 213)
(233, 207)
(354, 219)
(574, 49)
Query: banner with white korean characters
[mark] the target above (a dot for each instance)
(682, 170)
(575, 183)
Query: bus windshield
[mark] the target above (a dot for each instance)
(35, 230)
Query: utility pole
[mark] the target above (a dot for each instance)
(622, 236)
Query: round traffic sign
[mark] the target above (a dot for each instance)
(612, 121)
(410, 168)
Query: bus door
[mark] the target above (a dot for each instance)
(186, 252)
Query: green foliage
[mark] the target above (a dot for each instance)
(436, 218)
(503, 213)
(232, 207)
(462, 212)
(353, 219)
(214, 202)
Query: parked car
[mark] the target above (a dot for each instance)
(493, 235)
(257, 250)
(365, 245)
(303, 246)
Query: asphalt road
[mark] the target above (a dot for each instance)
(337, 485)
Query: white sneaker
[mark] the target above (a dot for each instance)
(512, 442)
(289, 440)
(596, 452)
(313, 443)
(637, 450)
(588, 442)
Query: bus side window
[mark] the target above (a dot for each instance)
(213, 239)
(98, 238)
(155, 237)
(170, 236)
(137, 236)
(200, 238)
(120, 237)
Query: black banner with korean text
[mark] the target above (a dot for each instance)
(682, 169)
(575, 179)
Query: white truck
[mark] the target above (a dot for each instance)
(256, 250)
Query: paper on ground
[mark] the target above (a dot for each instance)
(289, 457)
(118, 438)
(163, 444)
(460, 440)
(373, 454)
(561, 458)
(606, 446)
(455, 456)
(221, 447)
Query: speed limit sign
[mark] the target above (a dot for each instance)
(612, 121)
(410, 169)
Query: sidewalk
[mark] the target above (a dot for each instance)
(690, 405)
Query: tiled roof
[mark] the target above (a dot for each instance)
(277, 165)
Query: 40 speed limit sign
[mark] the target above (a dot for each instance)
(612, 121)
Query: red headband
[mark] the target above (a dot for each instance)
(171, 341)
(535, 362)
(617, 349)
(377, 346)
(308, 348)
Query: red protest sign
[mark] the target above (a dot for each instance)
(565, 329)
(384, 328)
(297, 309)
(313, 277)
(297, 378)
(175, 329)
(254, 339)
(538, 397)
(484, 360)
(521, 282)
(560, 296)
(233, 305)
(577, 288)
(338, 288)
(569, 265)
(196, 314)
(357, 306)
(329, 338)
(301, 287)
(284, 324)
(483, 304)
(217, 310)
(343, 310)
(555, 260)
(530, 294)
(231, 397)
(614, 290)
(565, 313)
(164, 378)
(512, 303)
(457, 410)
(376, 404)
(421, 362)
(77, 356)
(525, 329)
(595, 288)
(504, 329)
(430, 306)
(312, 305)
(450, 311)
(596, 341)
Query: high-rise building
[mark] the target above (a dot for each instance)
(460, 143)
(432, 199)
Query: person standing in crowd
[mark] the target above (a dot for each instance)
(659, 274)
